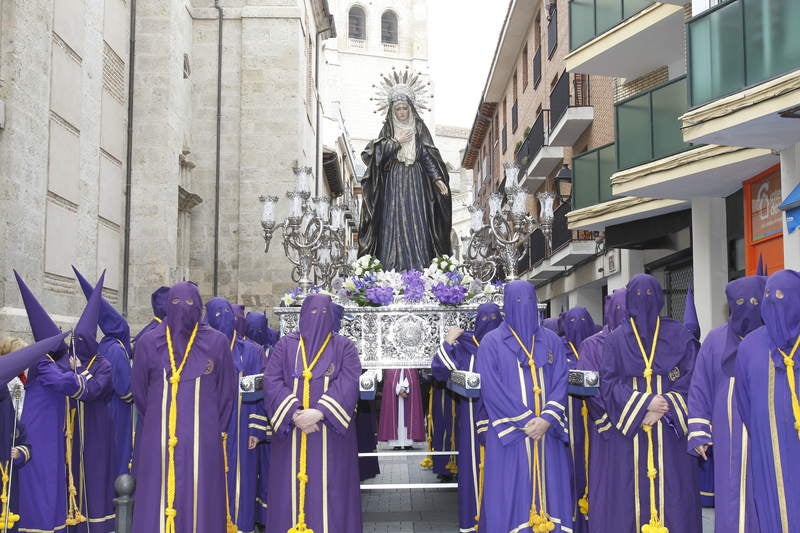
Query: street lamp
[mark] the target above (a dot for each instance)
(564, 182)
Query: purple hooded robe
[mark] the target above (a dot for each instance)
(93, 453)
(507, 391)
(115, 347)
(205, 396)
(764, 398)
(713, 417)
(601, 479)
(461, 356)
(43, 482)
(332, 499)
(624, 390)
(247, 420)
(577, 325)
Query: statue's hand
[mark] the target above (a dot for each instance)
(442, 188)
(405, 137)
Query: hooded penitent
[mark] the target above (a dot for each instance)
(578, 325)
(110, 321)
(521, 311)
(615, 311)
(552, 324)
(781, 309)
(257, 328)
(238, 316)
(13, 363)
(220, 316)
(744, 297)
(316, 322)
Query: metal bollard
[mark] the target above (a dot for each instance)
(124, 485)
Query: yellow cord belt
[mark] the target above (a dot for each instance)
(451, 465)
(174, 380)
(428, 461)
(229, 525)
(74, 515)
(788, 360)
(538, 520)
(656, 524)
(583, 502)
(480, 486)
(7, 518)
(302, 476)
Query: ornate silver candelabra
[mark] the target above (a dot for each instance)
(504, 239)
(313, 234)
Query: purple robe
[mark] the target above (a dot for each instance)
(444, 415)
(368, 467)
(765, 404)
(602, 483)
(461, 356)
(205, 397)
(577, 325)
(9, 438)
(158, 300)
(332, 499)
(93, 467)
(624, 394)
(387, 422)
(713, 417)
(507, 394)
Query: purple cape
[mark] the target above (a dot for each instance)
(387, 423)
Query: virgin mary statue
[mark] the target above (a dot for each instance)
(406, 211)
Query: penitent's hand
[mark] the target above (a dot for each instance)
(536, 428)
(453, 333)
(442, 188)
(702, 451)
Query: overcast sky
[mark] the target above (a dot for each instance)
(463, 37)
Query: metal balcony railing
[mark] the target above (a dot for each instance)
(562, 98)
(590, 18)
(739, 44)
(533, 142)
(648, 125)
(592, 171)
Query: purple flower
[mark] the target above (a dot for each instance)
(449, 294)
(380, 295)
(413, 285)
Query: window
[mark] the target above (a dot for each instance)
(525, 67)
(514, 85)
(357, 28)
(389, 28)
(552, 30)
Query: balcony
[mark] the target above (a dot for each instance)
(655, 162)
(648, 125)
(607, 36)
(744, 74)
(569, 247)
(570, 110)
(535, 157)
(592, 171)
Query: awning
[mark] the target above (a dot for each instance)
(648, 233)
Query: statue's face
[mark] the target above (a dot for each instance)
(401, 111)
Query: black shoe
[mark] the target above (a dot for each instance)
(408, 448)
(397, 448)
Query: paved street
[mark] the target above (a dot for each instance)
(422, 510)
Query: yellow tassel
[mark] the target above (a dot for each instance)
(427, 462)
(583, 505)
(452, 467)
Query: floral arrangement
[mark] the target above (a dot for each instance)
(370, 285)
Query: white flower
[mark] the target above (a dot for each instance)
(349, 284)
(391, 279)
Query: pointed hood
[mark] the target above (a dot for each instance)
(690, 320)
(615, 310)
(238, 318)
(14, 363)
(781, 308)
(761, 268)
(42, 326)
(84, 338)
(159, 300)
(488, 318)
(184, 310)
(316, 321)
(257, 328)
(644, 299)
(220, 316)
(111, 321)
(520, 308)
(552, 325)
(744, 297)
(578, 325)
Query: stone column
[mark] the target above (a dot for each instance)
(710, 261)
(790, 178)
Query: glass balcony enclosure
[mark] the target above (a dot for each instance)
(590, 18)
(592, 171)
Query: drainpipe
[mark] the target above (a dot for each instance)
(318, 45)
(215, 284)
(126, 247)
